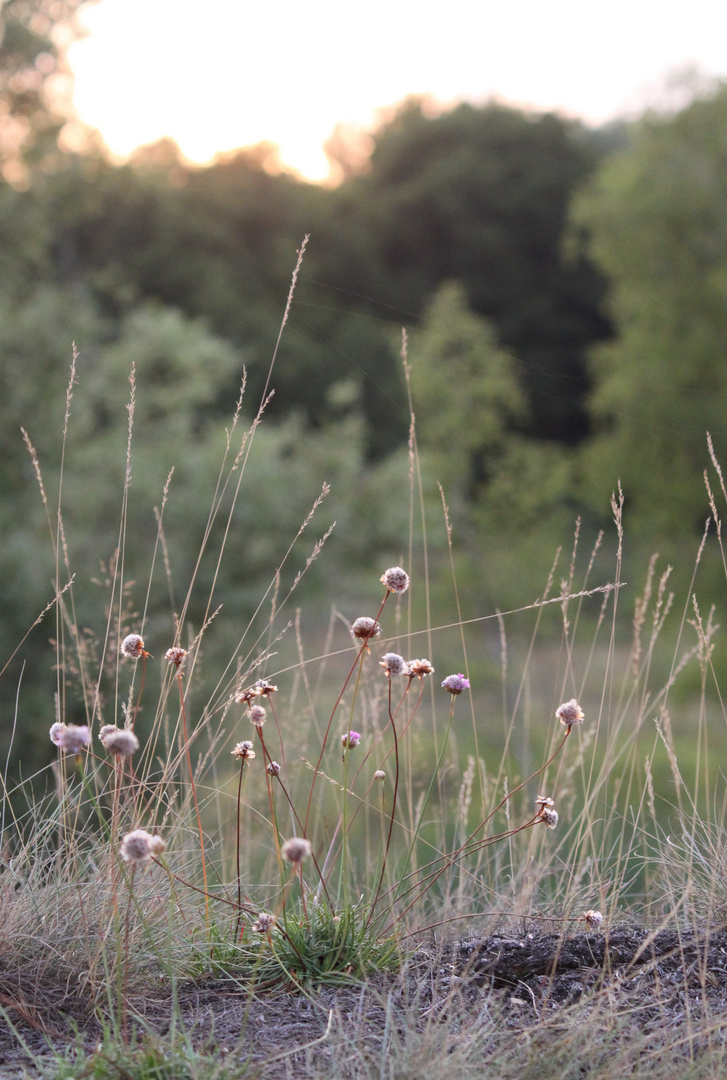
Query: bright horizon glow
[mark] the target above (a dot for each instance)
(230, 73)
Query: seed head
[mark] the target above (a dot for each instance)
(121, 742)
(244, 751)
(257, 715)
(549, 816)
(74, 738)
(569, 713)
(264, 923)
(593, 919)
(133, 647)
(364, 629)
(393, 664)
(455, 684)
(273, 768)
(56, 733)
(139, 846)
(176, 656)
(296, 849)
(263, 688)
(380, 775)
(544, 800)
(350, 739)
(395, 579)
(419, 668)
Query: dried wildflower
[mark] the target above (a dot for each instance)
(133, 647)
(176, 656)
(121, 742)
(350, 739)
(548, 816)
(379, 775)
(139, 846)
(244, 751)
(297, 849)
(264, 923)
(395, 579)
(364, 629)
(74, 738)
(273, 768)
(244, 697)
(56, 733)
(419, 668)
(393, 664)
(593, 919)
(455, 684)
(257, 715)
(544, 800)
(569, 713)
(263, 688)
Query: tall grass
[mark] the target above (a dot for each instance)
(302, 816)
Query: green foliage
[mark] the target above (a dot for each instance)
(657, 216)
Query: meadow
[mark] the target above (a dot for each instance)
(393, 843)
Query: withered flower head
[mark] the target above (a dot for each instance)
(419, 668)
(593, 919)
(395, 579)
(569, 713)
(273, 768)
(393, 664)
(176, 656)
(74, 738)
(139, 846)
(263, 688)
(244, 751)
(264, 923)
(257, 715)
(133, 647)
(296, 849)
(364, 629)
(121, 742)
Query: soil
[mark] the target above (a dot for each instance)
(655, 977)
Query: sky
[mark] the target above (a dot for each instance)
(223, 74)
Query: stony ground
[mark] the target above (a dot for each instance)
(668, 984)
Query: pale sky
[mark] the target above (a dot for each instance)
(229, 73)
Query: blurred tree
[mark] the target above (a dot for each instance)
(35, 81)
(657, 216)
(480, 195)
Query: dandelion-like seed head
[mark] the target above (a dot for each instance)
(139, 846)
(244, 751)
(350, 739)
(133, 647)
(257, 715)
(74, 738)
(264, 923)
(569, 713)
(393, 664)
(593, 919)
(176, 656)
(395, 579)
(296, 849)
(364, 629)
(121, 742)
(380, 775)
(273, 768)
(56, 732)
(455, 684)
(419, 668)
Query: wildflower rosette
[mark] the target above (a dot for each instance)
(455, 684)
(244, 751)
(132, 647)
(296, 849)
(393, 664)
(395, 579)
(569, 713)
(139, 846)
(350, 739)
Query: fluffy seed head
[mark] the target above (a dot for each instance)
(395, 579)
(593, 919)
(133, 647)
(455, 684)
(257, 715)
(264, 923)
(74, 738)
(273, 768)
(176, 656)
(393, 664)
(549, 816)
(123, 743)
(419, 668)
(296, 849)
(244, 751)
(569, 713)
(139, 846)
(363, 629)
(56, 733)
(350, 739)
